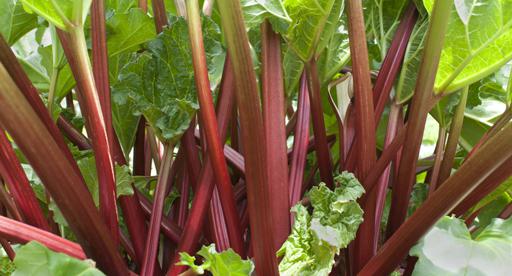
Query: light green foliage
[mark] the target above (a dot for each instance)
(126, 31)
(35, 259)
(309, 18)
(14, 21)
(160, 83)
(408, 73)
(449, 249)
(478, 42)
(318, 236)
(382, 18)
(336, 54)
(123, 178)
(87, 166)
(64, 14)
(225, 263)
(256, 11)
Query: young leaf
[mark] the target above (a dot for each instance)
(449, 249)
(35, 259)
(125, 31)
(477, 43)
(316, 238)
(225, 263)
(64, 14)
(14, 21)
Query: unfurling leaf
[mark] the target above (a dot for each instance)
(318, 236)
(35, 259)
(449, 249)
(225, 263)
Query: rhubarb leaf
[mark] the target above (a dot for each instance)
(382, 18)
(124, 180)
(318, 236)
(61, 13)
(449, 249)
(478, 42)
(408, 73)
(35, 259)
(15, 22)
(225, 263)
(256, 11)
(161, 82)
(309, 18)
(336, 54)
(126, 31)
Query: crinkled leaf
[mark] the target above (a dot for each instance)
(123, 108)
(448, 249)
(225, 263)
(161, 83)
(125, 31)
(35, 259)
(477, 44)
(58, 12)
(120, 6)
(15, 22)
(309, 18)
(316, 238)
(256, 11)
(408, 73)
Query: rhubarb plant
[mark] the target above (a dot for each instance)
(255, 137)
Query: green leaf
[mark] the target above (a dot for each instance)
(121, 6)
(478, 42)
(225, 263)
(408, 73)
(336, 54)
(124, 180)
(14, 21)
(317, 237)
(64, 14)
(309, 18)
(126, 31)
(35, 259)
(382, 18)
(161, 83)
(448, 249)
(292, 70)
(256, 11)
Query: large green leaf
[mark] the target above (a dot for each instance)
(318, 236)
(161, 82)
(309, 18)
(35, 259)
(382, 18)
(478, 42)
(125, 31)
(407, 79)
(14, 21)
(292, 70)
(449, 249)
(61, 13)
(256, 11)
(225, 263)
